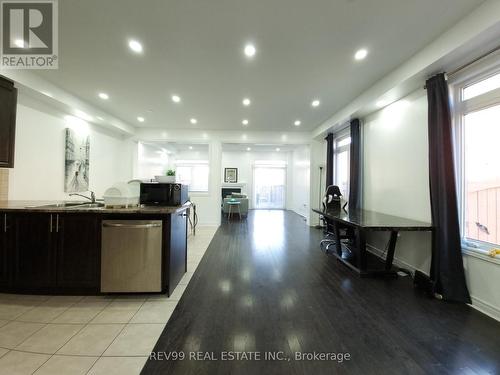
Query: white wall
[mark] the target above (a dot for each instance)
(396, 177)
(300, 188)
(396, 181)
(39, 155)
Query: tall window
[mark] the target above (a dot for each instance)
(193, 173)
(477, 128)
(341, 159)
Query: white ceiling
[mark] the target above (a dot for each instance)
(195, 49)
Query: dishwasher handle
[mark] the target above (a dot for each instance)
(132, 226)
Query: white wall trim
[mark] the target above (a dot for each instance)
(483, 255)
(477, 303)
(485, 308)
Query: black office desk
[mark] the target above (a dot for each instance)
(356, 256)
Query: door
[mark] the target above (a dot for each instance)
(269, 187)
(8, 102)
(34, 250)
(178, 249)
(78, 250)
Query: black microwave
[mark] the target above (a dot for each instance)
(160, 194)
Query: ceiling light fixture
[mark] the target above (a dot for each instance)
(135, 46)
(246, 102)
(176, 98)
(315, 103)
(190, 147)
(250, 50)
(297, 123)
(245, 122)
(193, 121)
(278, 149)
(249, 149)
(103, 96)
(141, 119)
(361, 54)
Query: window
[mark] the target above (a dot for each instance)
(193, 173)
(477, 129)
(341, 160)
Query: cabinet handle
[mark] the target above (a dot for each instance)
(57, 223)
(131, 226)
(50, 223)
(5, 223)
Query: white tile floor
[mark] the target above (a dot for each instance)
(68, 335)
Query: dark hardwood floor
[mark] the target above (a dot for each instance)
(264, 285)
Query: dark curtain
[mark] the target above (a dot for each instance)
(329, 160)
(355, 166)
(447, 270)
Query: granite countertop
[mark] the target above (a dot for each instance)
(51, 207)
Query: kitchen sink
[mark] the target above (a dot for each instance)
(70, 205)
(89, 205)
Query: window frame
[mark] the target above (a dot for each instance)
(193, 163)
(471, 75)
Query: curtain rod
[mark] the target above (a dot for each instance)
(487, 54)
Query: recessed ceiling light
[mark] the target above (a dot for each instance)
(249, 149)
(193, 121)
(103, 96)
(176, 98)
(19, 43)
(246, 102)
(297, 123)
(315, 103)
(245, 122)
(141, 119)
(278, 149)
(250, 50)
(361, 54)
(190, 147)
(135, 46)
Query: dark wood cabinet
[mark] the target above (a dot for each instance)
(78, 254)
(60, 253)
(34, 250)
(5, 253)
(177, 255)
(8, 105)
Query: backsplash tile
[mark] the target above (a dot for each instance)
(4, 184)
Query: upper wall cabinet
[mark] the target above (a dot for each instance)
(8, 105)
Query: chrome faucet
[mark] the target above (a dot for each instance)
(91, 198)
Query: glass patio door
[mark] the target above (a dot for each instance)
(269, 186)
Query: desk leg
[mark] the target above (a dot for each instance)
(338, 245)
(361, 250)
(391, 249)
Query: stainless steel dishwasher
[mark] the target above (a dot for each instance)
(131, 256)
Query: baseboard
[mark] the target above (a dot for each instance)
(485, 308)
(398, 262)
(477, 303)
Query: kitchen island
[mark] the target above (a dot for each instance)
(49, 247)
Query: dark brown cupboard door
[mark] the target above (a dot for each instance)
(178, 249)
(78, 249)
(34, 250)
(5, 258)
(8, 103)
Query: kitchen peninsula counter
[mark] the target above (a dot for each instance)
(54, 247)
